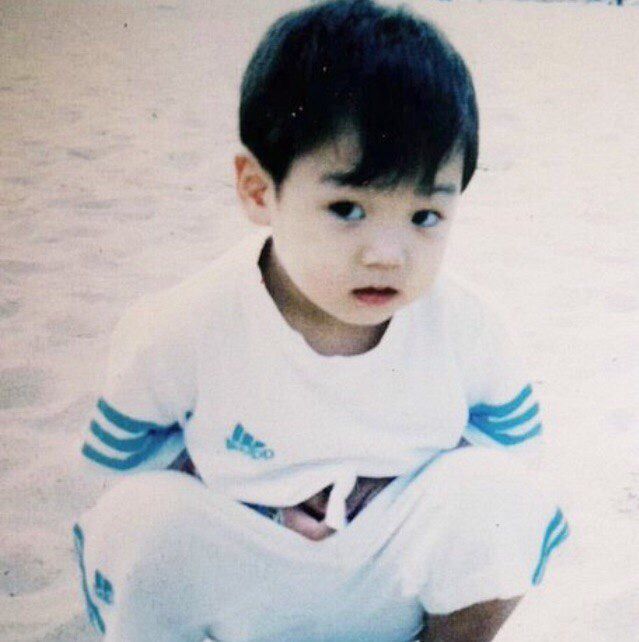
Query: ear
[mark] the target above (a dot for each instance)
(255, 189)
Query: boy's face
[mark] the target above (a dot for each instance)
(358, 254)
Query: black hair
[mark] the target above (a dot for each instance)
(347, 66)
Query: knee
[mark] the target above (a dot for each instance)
(490, 481)
(479, 530)
(484, 503)
(141, 508)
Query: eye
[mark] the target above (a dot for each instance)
(426, 218)
(347, 210)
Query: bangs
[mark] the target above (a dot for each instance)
(406, 147)
(406, 123)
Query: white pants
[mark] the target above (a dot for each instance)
(166, 559)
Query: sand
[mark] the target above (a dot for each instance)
(117, 129)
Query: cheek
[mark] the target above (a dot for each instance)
(429, 260)
(310, 266)
(322, 259)
(323, 277)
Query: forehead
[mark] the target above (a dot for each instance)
(336, 156)
(323, 166)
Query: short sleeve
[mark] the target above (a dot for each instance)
(138, 420)
(503, 409)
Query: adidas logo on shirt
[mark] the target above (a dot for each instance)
(244, 442)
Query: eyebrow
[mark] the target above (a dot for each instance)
(446, 189)
(333, 179)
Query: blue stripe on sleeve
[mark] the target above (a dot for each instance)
(556, 533)
(512, 440)
(127, 423)
(128, 462)
(502, 425)
(505, 409)
(489, 426)
(123, 445)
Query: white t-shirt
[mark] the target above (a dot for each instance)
(211, 365)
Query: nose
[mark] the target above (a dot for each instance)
(383, 252)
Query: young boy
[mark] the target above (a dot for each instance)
(350, 416)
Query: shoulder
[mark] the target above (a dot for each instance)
(204, 300)
(468, 311)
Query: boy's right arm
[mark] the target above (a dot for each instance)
(137, 422)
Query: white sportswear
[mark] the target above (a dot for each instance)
(211, 365)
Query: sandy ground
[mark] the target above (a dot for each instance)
(117, 128)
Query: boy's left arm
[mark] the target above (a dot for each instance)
(503, 409)
(477, 623)
(504, 414)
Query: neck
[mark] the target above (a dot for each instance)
(323, 332)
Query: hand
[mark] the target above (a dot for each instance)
(308, 517)
(298, 520)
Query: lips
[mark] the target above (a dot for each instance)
(375, 296)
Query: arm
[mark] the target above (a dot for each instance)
(137, 423)
(503, 415)
(503, 409)
(477, 623)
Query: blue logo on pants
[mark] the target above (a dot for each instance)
(556, 533)
(92, 610)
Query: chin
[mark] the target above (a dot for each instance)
(366, 318)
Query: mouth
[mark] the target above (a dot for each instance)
(375, 296)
